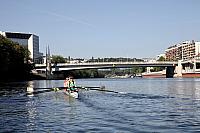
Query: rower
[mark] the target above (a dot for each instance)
(72, 85)
(67, 83)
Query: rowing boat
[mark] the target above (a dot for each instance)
(72, 94)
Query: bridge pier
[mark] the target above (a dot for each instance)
(178, 69)
(148, 69)
(170, 71)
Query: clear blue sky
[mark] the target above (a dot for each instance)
(104, 28)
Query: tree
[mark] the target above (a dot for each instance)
(58, 59)
(161, 58)
(137, 70)
(13, 60)
(156, 69)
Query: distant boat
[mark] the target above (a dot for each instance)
(191, 75)
(159, 74)
(136, 76)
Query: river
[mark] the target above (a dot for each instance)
(142, 105)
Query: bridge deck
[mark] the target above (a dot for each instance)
(104, 65)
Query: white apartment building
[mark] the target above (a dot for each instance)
(186, 50)
(190, 50)
(28, 40)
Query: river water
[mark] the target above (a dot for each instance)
(142, 105)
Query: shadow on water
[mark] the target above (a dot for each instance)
(20, 88)
(114, 110)
(103, 101)
(14, 88)
(9, 91)
(143, 96)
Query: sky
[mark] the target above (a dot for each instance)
(104, 28)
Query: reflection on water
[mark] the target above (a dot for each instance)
(189, 88)
(31, 114)
(47, 83)
(149, 105)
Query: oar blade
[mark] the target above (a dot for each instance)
(31, 90)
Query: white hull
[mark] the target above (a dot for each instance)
(72, 94)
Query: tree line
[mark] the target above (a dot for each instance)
(98, 73)
(60, 59)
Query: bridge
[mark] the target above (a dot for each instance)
(105, 65)
(170, 66)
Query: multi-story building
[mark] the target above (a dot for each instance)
(28, 40)
(171, 53)
(184, 51)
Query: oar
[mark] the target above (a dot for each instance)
(30, 90)
(81, 87)
(102, 88)
(90, 87)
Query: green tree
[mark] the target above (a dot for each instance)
(156, 69)
(58, 59)
(137, 70)
(88, 73)
(13, 60)
(161, 58)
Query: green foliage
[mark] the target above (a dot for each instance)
(13, 60)
(161, 58)
(89, 73)
(156, 69)
(114, 60)
(134, 70)
(58, 59)
(138, 70)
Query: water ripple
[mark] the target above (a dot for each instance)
(146, 106)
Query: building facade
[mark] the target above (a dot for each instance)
(28, 40)
(184, 51)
